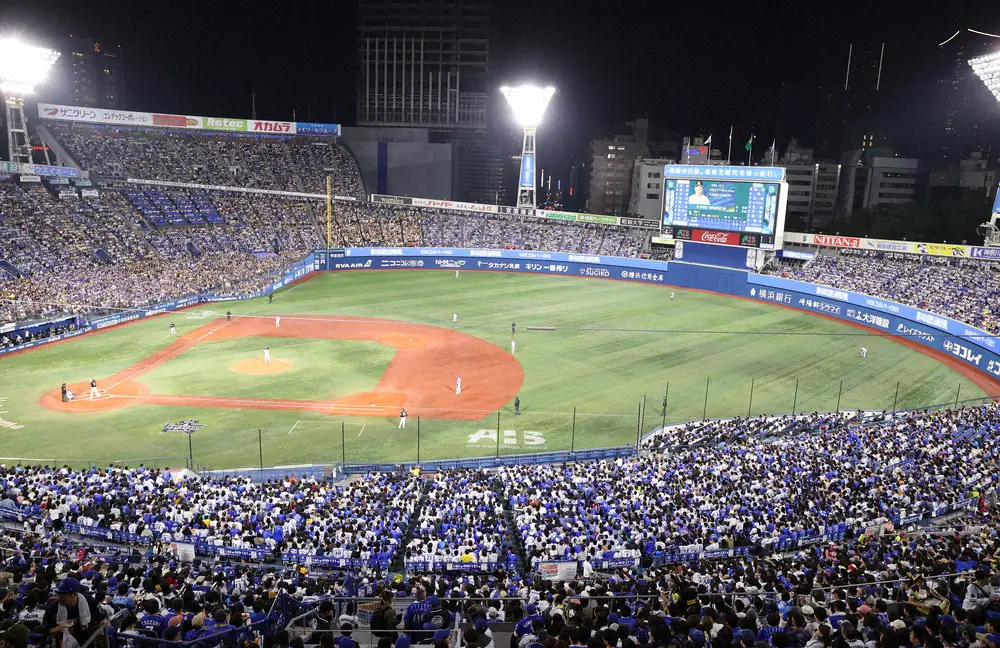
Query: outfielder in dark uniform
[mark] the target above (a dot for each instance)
(229, 316)
(517, 406)
(513, 328)
(63, 390)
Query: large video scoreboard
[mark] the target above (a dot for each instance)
(724, 205)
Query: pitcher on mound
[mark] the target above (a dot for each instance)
(267, 355)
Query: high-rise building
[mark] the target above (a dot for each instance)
(94, 73)
(425, 63)
(874, 177)
(612, 168)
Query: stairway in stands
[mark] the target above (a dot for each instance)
(399, 561)
(513, 533)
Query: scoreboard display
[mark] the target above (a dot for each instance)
(717, 202)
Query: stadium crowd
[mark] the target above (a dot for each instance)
(962, 289)
(254, 161)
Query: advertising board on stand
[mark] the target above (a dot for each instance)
(190, 122)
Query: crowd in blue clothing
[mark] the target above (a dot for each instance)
(461, 521)
(714, 496)
(364, 519)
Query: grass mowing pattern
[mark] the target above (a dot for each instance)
(602, 373)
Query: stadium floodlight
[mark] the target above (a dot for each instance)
(987, 68)
(22, 67)
(528, 103)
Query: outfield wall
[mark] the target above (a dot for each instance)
(972, 346)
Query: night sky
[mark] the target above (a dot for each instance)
(694, 67)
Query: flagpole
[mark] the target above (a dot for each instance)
(774, 144)
(750, 152)
(708, 145)
(729, 155)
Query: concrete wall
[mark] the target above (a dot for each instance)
(402, 162)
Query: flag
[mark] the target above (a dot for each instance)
(749, 144)
(708, 141)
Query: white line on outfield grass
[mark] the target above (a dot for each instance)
(294, 426)
(194, 342)
(362, 430)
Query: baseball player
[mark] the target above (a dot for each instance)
(864, 352)
(513, 328)
(454, 318)
(267, 355)
(277, 322)
(402, 418)
(93, 388)
(456, 274)
(671, 295)
(173, 331)
(63, 390)
(229, 316)
(517, 406)
(458, 386)
(270, 298)
(513, 345)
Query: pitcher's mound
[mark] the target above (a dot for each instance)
(257, 367)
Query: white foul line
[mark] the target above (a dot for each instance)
(362, 430)
(294, 426)
(187, 346)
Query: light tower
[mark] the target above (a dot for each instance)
(22, 67)
(529, 103)
(987, 68)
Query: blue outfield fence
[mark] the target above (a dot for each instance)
(295, 272)
(974, 347)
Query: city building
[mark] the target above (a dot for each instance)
(873, 177)
(425, 64)
(646, 200)
(93, 73)
(612, 168)
(973, 178)
(812, 186)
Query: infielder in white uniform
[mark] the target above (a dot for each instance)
(456, 274)
(458, 385)
(277, 322)
(671, 295)
(93, 388)
(512, 346)
(267, 355)
(864, 352)
(402, 418)
(454, 318)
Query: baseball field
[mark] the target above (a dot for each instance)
(593, 363)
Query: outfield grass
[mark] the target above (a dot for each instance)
(615, 344)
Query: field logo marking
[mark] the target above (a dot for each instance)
(509, 439)
(188, 427)
(4, 423)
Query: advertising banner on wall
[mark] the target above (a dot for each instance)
(527, 170)
(985, 253)
(39, 169)
(263, 126)
(309, 128)
(191, 122)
